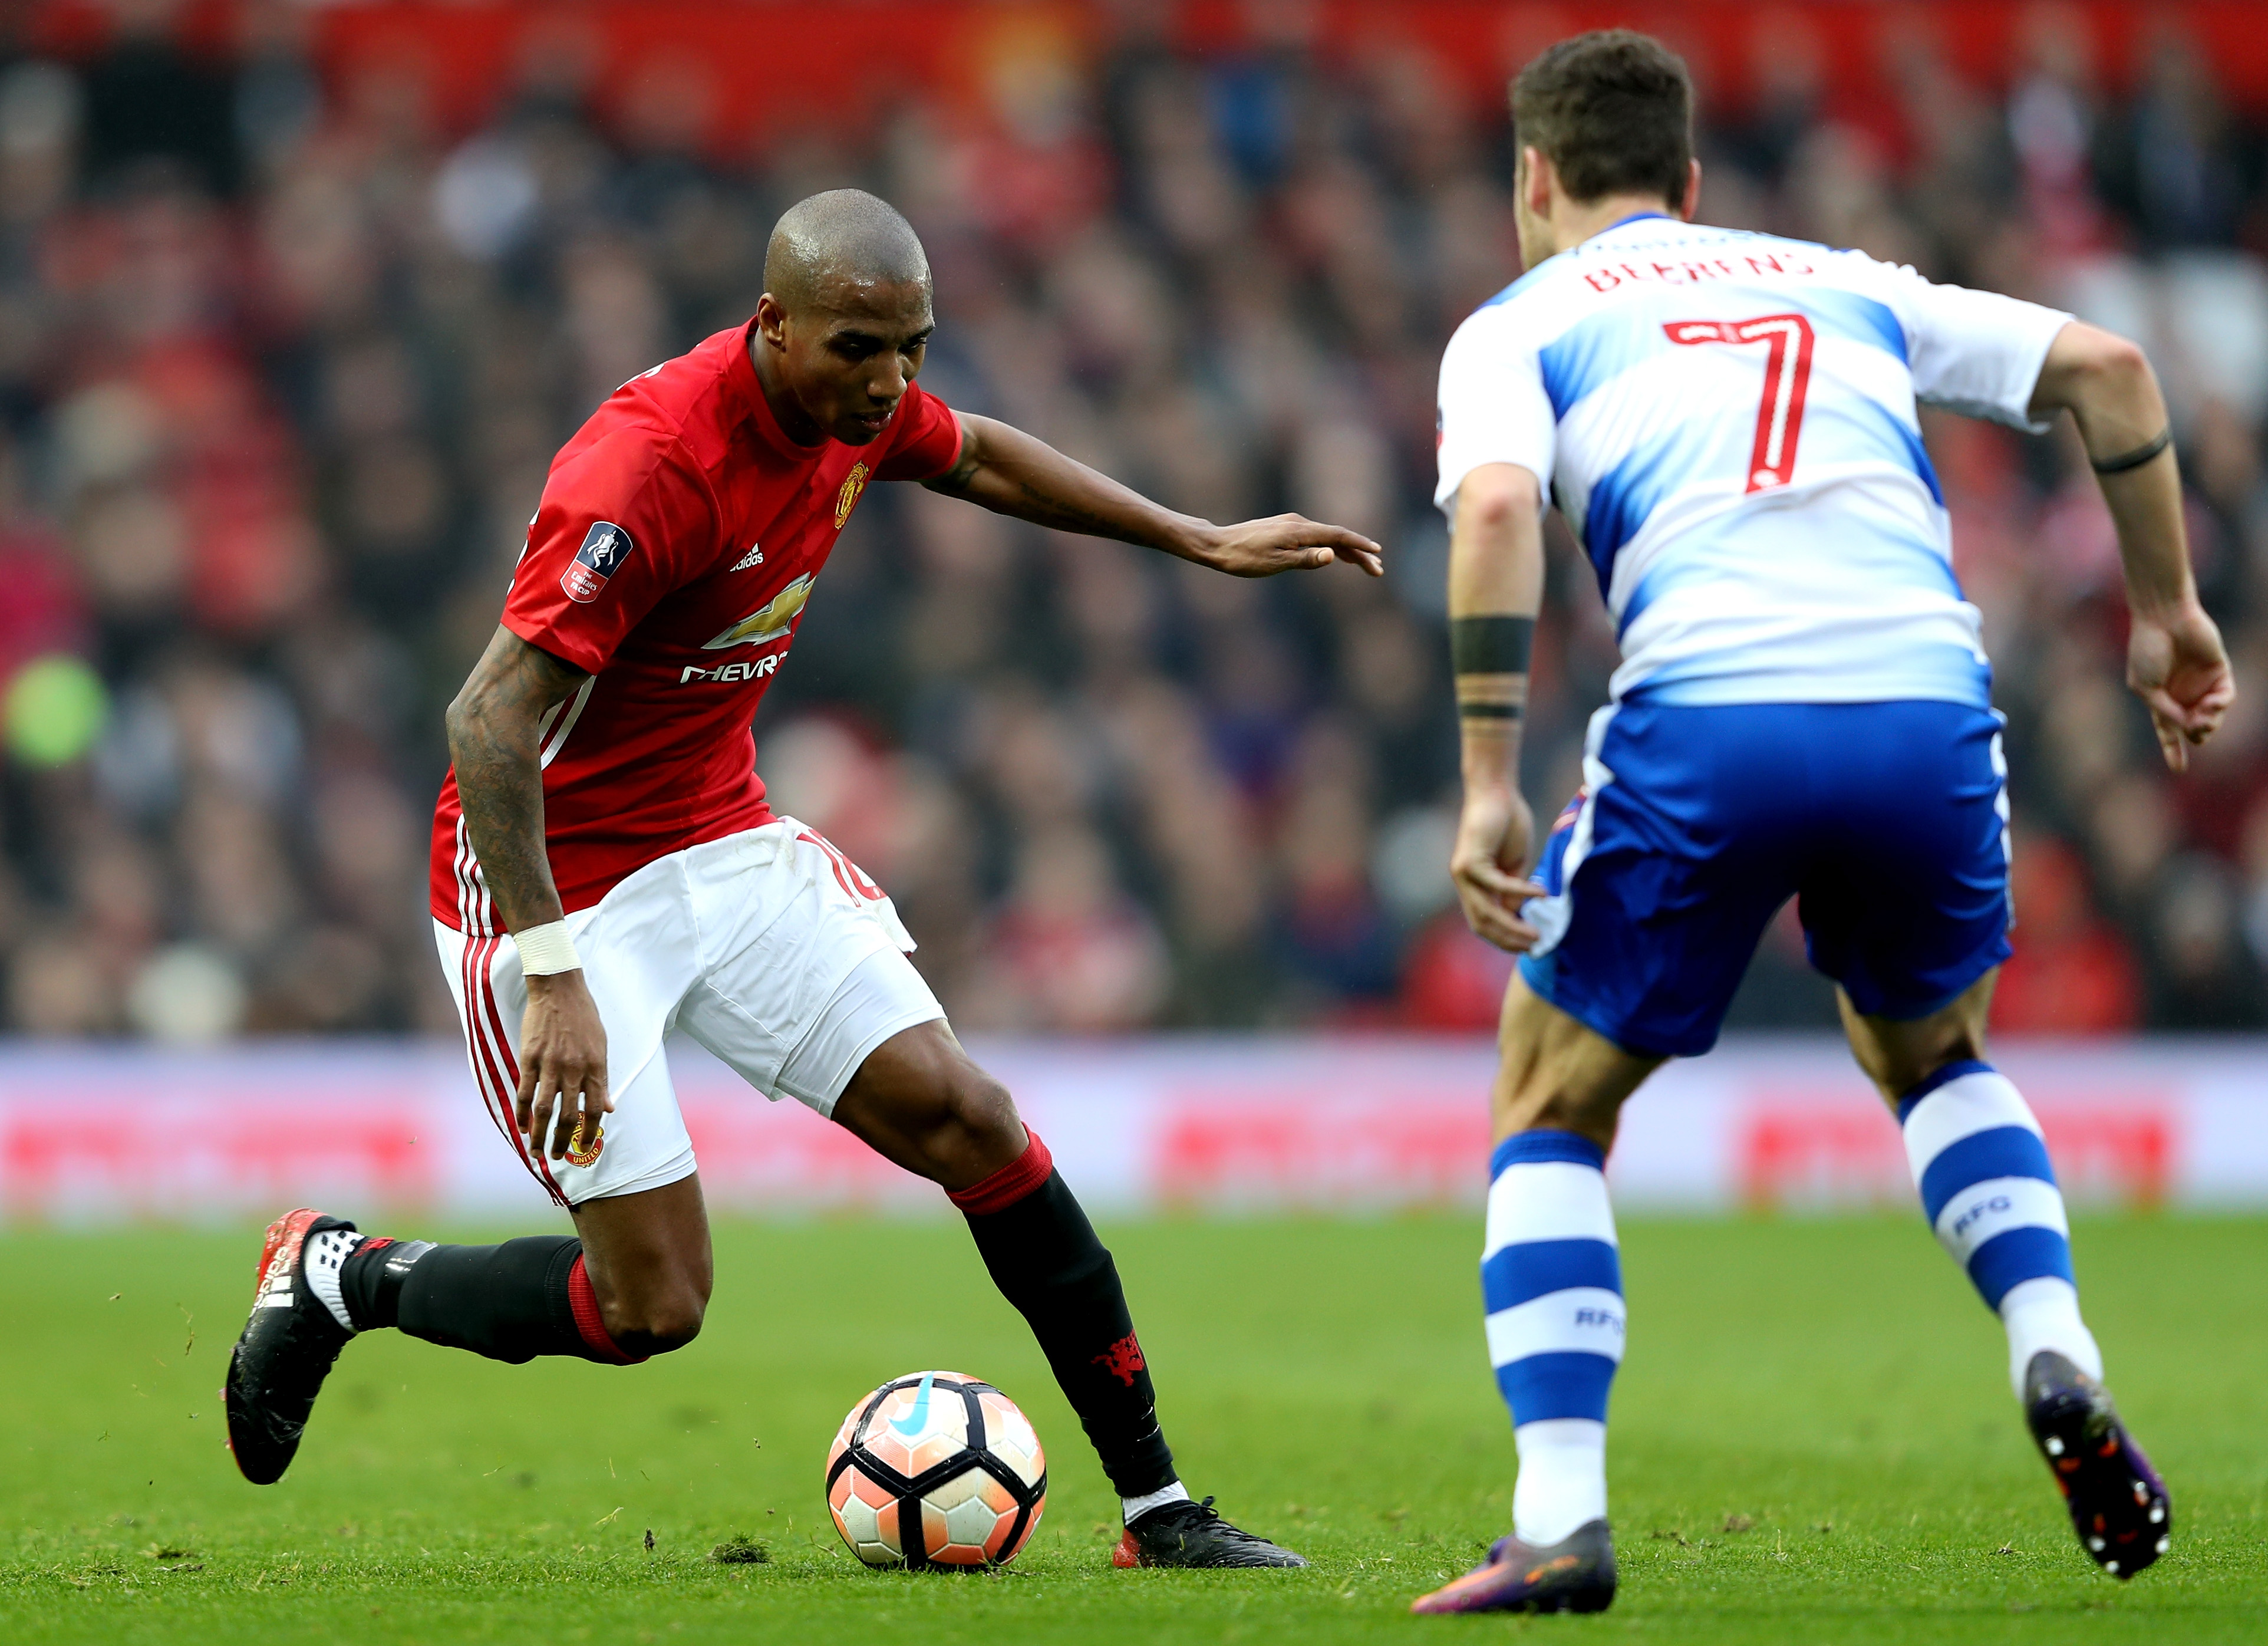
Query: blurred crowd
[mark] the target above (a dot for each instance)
(283, 358)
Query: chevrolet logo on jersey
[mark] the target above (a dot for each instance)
(730, 673)
(760, 627)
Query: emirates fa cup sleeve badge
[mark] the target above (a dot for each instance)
(596, 562)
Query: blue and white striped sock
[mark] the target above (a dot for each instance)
(1551, 1280)
(1990, 1192)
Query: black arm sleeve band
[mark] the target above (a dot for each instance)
(1490, 646)
(2135, 458)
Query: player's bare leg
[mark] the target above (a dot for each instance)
(1554, 1073)
(650, 1267)
(1990, 1193)
(1898, 1056)
(1553, 1279)
(920, 1102)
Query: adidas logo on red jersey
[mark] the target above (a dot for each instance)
(754, 557)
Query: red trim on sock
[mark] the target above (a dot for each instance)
(588, 1322)
(1009, 1184)
(375, 1242)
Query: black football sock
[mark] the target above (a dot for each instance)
(1045, 1259)
(510, 1302)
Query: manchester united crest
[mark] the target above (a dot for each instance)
(576, 1155)
(847, 499)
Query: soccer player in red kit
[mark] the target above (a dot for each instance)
(606, 869)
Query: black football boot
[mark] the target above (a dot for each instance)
(278, 1365)
(1191, 1534)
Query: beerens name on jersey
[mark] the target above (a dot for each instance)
(1694, 270)
(603, 551)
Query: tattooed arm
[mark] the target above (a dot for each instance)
(493, 743)
(1011, 473)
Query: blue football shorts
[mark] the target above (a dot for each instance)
(1888, 822)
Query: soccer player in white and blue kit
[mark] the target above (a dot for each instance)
(1727, 422)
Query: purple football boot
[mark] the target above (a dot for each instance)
(1576, 1574)
(2118, 1504)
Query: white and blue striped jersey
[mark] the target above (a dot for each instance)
(1728, 420)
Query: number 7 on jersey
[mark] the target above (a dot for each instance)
(1787, 372)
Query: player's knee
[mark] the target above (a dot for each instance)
(982, 1109)
(966, 1128)
(925, 1104)
(656, 1325)
(978, 1131)
(672, 1329)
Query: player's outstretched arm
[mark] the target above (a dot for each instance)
(494, 742)
(1496, 585)
(1012, 473)
(2175, 660)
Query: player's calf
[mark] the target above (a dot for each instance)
(510, 1303)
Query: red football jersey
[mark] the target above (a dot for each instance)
(677, 541)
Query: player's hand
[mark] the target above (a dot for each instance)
(1489, 864)
(1287, 542)
(563, 1063)
(2176, 665)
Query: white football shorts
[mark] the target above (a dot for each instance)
(770, 948)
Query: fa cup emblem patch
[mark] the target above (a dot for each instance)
(602, 555)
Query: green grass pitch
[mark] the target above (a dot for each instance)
(1813, 1442)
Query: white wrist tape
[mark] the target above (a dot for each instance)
(546, 949)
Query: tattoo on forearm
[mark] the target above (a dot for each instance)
(2135, 459)
(954, 481)
(1499, 644)
(1490, 657)
(492, 740)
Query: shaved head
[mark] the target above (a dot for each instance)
(845, 235)
(844, 321)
